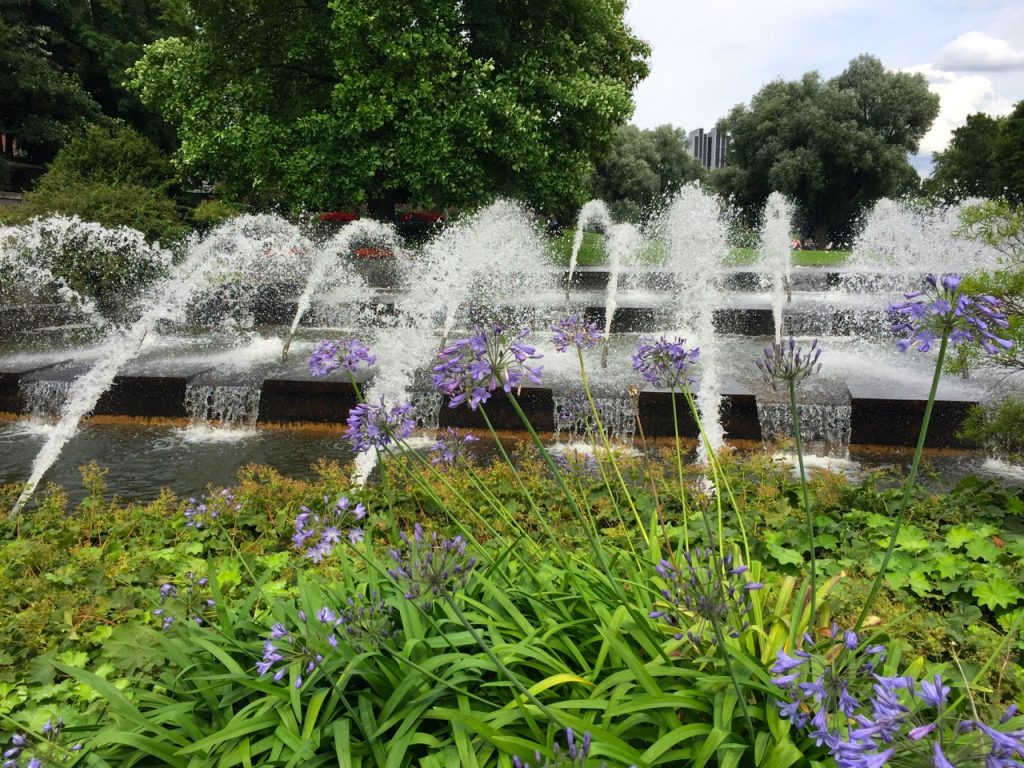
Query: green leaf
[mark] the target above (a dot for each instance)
(997, 592)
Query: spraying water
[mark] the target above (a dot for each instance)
(622, 241)
(592, 212)
(246, 247)
(906, 239)
(775, 252)
(330, 272)
(697, 241)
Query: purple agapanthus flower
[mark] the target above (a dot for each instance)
(318, 533)
(284, 649)
(347, 354)
(706, 591)
(364, 622)
(470, 369)
(942, 307)
(376, 426)
(785, 362)
(27, 750)
(429, 567)
(452, 446)
(573, 755)
(665, 363)
(199, 514)
(191, 599)
(835, 692)
(575, 331)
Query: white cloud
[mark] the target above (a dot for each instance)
(977, 52)
(961, 95)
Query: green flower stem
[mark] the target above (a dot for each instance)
(679, 470)
(587, 525)
(688, 396)
(519, 480)
(807, 501)
(505, 671)
(721, 478)
(608, 447)
(720, 638)
(909, 488)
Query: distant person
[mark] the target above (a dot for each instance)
(552, 228)
(794, 244)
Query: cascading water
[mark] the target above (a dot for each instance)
(44, 398)
(223, 405)
(331, 273)
(824, 427)
(260, 247)
(574, 418)
(696, 238)
(775, 252)
(592, 212)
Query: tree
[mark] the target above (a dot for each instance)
(643, 167)
(835, 147)
(112, 176)
(964, 168)
(63, 62)
(985, 158)
(332, 104)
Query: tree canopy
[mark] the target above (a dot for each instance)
(642, 168)
(333, 104)
(985, 158)
(834, 146)
(62, 65)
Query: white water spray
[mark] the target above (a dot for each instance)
(775, 252)
(592, 212)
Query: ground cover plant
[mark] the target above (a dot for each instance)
(540, 610)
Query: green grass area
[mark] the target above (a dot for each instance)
(592, 253)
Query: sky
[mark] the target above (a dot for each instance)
(709, 56)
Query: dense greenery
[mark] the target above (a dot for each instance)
(82, 641)
(834, 146)
(110, 175)
(643, 169)
(985, 158)
(62, 65)
(329, 105)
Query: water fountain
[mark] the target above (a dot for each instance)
(592, 212)
(774, 249)
(212, 330)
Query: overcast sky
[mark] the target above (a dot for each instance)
(708, 56)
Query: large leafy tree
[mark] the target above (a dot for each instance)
(643, 167)
(341, 102)
(985, 158)
(63, 62)
(834, 146)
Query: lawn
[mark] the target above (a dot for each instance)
(592, 253)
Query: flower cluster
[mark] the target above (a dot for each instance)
(451, 447)
(573, 756)
(575, 331)
(29, 751)
(470, 369)
(347, 354)
(199, 514)
(364, 623)
(284, 649)
(868, 720)
(576, 463)
(429, 568)
(665, 363)
(784, 363)
(318, 533)
(924, 316)
(376, 426)
(192, 600)
(709, 592)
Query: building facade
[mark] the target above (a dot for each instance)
(709, 147)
